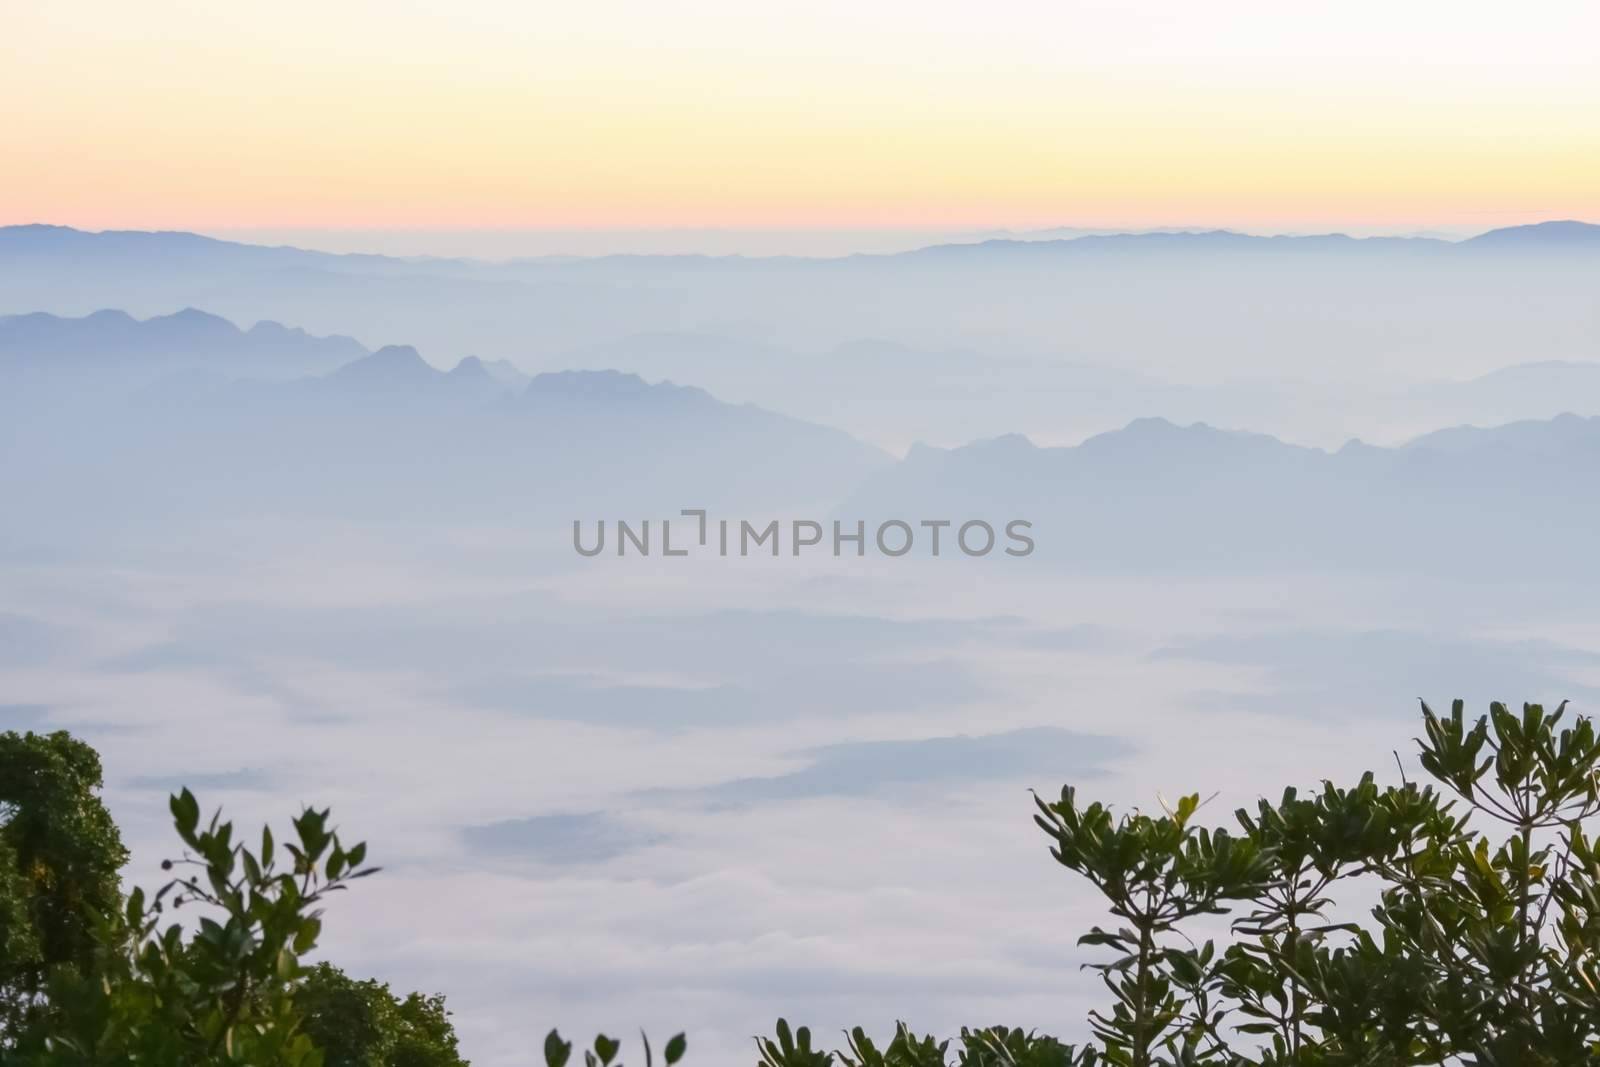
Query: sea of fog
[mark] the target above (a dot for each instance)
(702, 793)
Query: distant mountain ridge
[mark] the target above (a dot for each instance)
(1558, 234)
(386, 434)
(43, 240)
(896, 394)
(110, 341)
(1155, 497)
(1238, 304)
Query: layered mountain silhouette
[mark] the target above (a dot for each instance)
(153, 248)
(1328, 307)
(1157, 497)
(388, 435)
(113, 344)
(1565, 235)
(896, 393)
(186, 417)
(159, 249)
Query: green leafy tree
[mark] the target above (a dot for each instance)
(1279, 975)
(59, 857)
(1482, 949)
(1002, 1046)
(360, 1023)
(990, 1046)
(905, 1049)
(1157, 873)
(1503, 926)
(791, 1049)
(225, 994)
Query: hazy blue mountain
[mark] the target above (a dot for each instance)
(1326, 309)
(390, 435)
(501, 370)
(1179, 242)
(897, 393)
(1313, 339)
(111, 343)
(1155, 496)
(389, 369)
(175, 249)
(44, 242)
(1525, 391)
(1565, 234)
(161, 418)
(1555, 235)
(889, 392)
(1566, 438)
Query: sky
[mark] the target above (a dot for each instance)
(356, 116)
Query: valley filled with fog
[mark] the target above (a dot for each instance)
(289, 527)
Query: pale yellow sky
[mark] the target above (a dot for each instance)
(349, 113)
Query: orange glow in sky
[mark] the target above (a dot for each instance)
(514, 114)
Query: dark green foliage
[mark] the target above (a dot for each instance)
(904, 1050)
(1482, 949)
(362, 1024)
(88, 977)
(59, 857)
(604, 1053)
(791, 1049)
(1000, 1046)
(224, 994)
(993, 1046)
(1156, 873)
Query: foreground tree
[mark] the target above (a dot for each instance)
(93, 979)
(59, 857)
(1502, 927)
(225, 993)
(1484, 947)
(362, 1024)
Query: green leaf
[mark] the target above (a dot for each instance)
(556, 1051)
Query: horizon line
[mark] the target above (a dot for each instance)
(932, 237)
